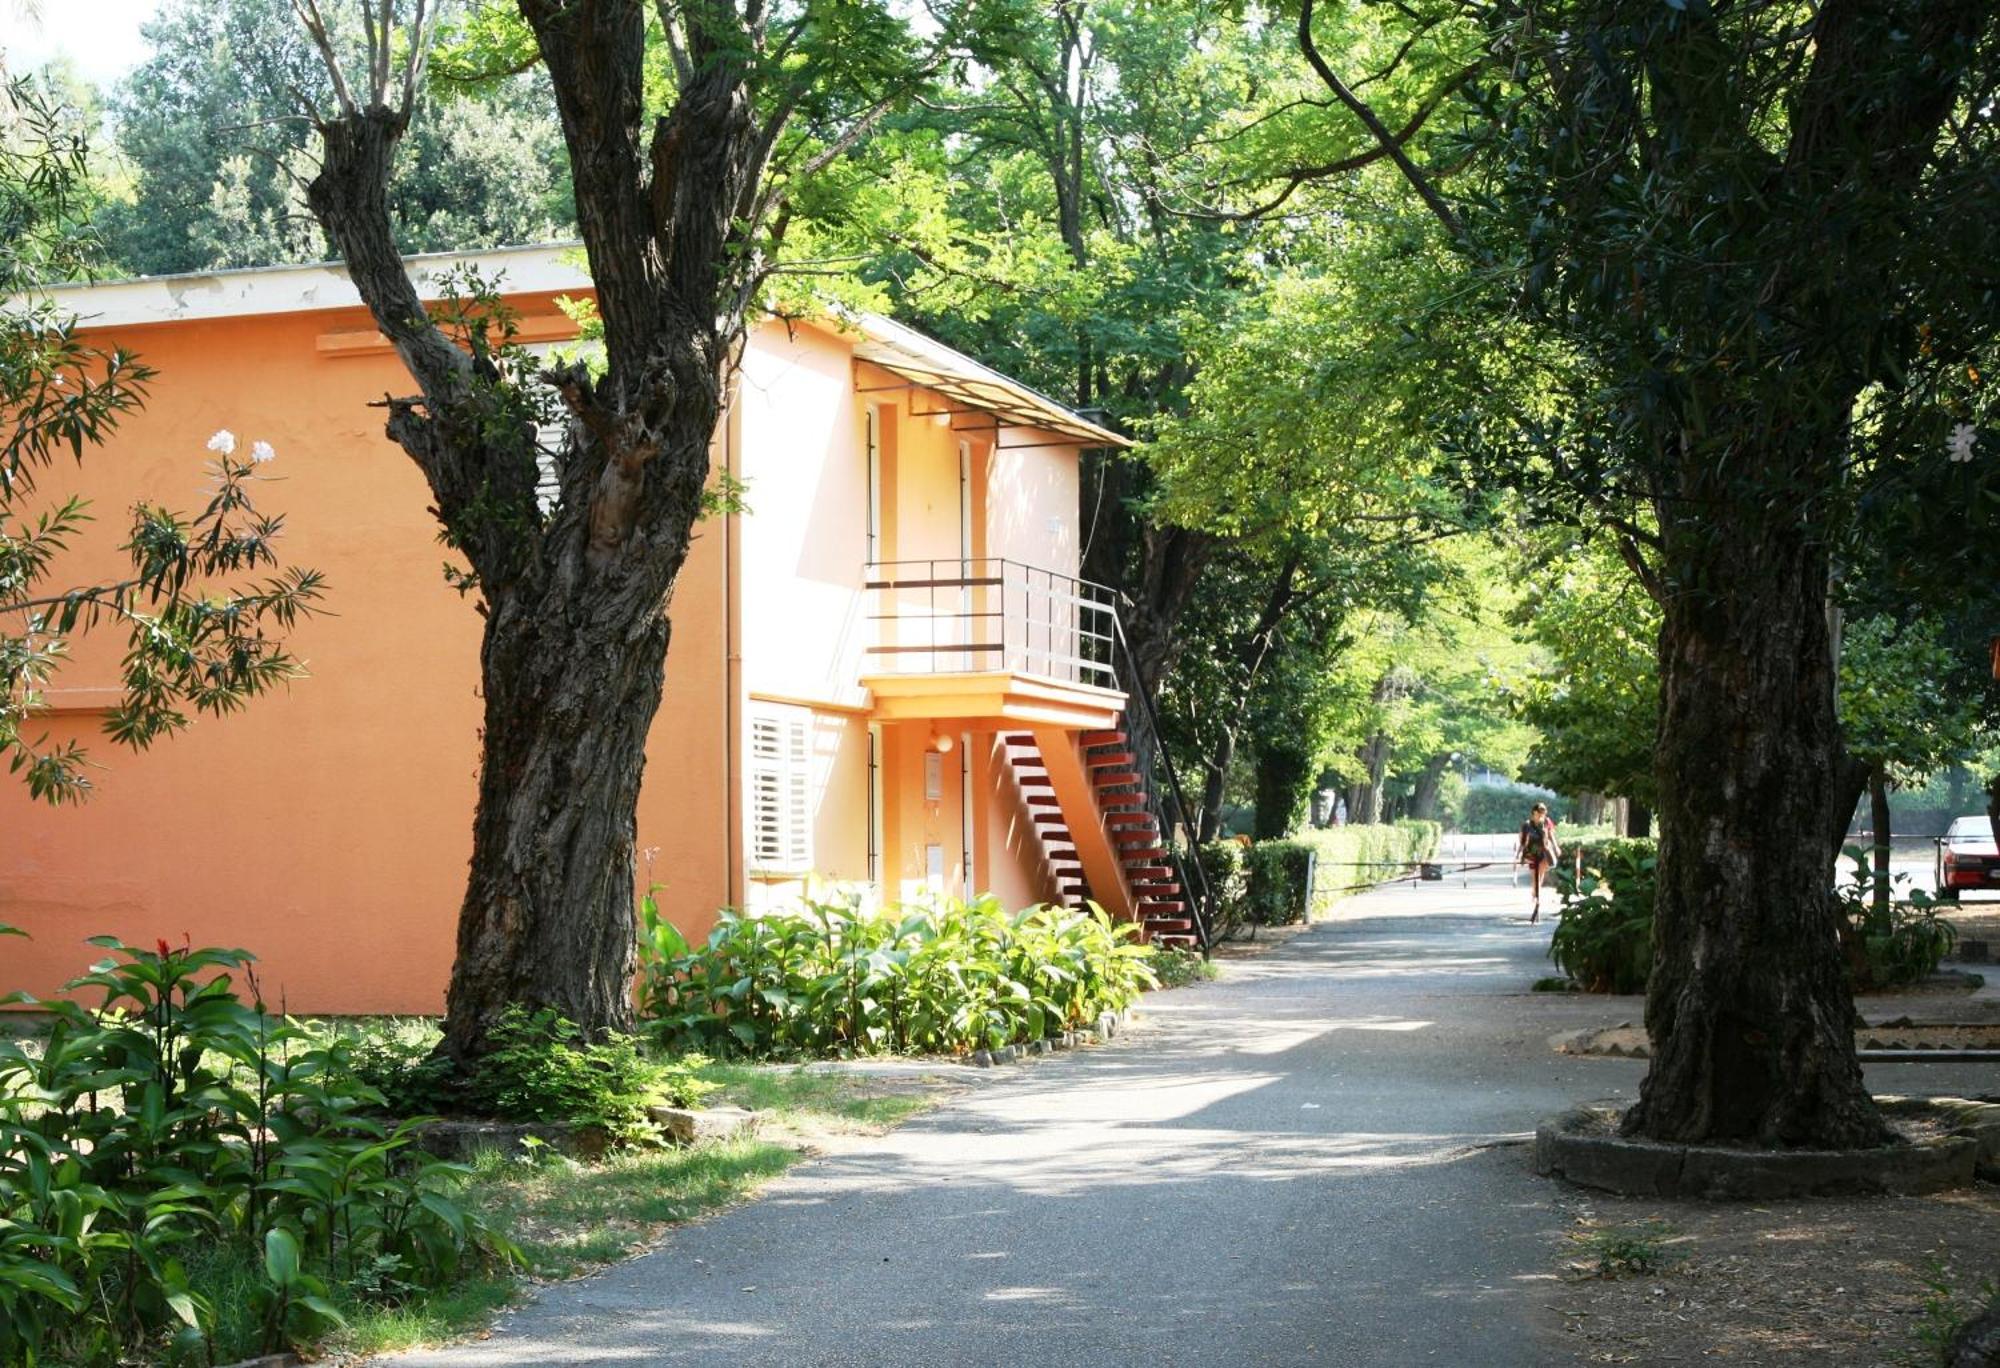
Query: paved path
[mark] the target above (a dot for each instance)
(1315, 1160)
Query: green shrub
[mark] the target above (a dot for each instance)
(1604, 935)
(1903, 943)
(835, 977)
(1176, 968)
(395, 1059)
(1280, 876)
(177, 1120)
(542, 1069)
(1493, 808)
(1222, 864)
(1352, 858)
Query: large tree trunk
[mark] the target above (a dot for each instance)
(575, 592)
(571, 690)
(1748, 1006)
(1214, 783)
(1850, 781)
(1430, 784)
(1993, 807)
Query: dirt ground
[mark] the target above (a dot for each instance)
(1835, 1283)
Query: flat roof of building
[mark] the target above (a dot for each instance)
(548, 268)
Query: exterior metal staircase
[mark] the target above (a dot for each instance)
(1105, 843)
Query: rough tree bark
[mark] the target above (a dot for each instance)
(575, 599)
(1748, 1006)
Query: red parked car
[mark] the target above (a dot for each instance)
(1967, 858)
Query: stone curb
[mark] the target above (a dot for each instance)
(461, 1140)
(1972, 1040)
(703, 1125)
(1104, 1028)
(1565, 1148)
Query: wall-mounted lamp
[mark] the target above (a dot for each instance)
(941, 743)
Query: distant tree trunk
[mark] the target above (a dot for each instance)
(1638, 819)
(1955, 789)
(1214, 785)
(1748, 1007)
(1283, 772)
(1430, 785)
(1365, 804)
(1993, 807)
(1850, 782)
(1879, 817)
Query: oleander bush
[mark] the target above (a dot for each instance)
(832, 976)
(1604, 934)
(175, 1126)
(1901, 943)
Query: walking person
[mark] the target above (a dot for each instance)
(1539, 849)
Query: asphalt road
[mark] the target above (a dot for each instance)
(1317, 1160)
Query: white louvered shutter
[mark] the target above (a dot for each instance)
(781, 790)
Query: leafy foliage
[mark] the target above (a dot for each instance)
(176, 1117)
(834, 977)
(1604, 936)
(1278, 891)
(209, 129)
(192, 644)
(1353, 858)
(541, 1069)
(1888, 942)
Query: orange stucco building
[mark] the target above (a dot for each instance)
(884, 670)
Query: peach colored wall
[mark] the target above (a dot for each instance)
(327, 827)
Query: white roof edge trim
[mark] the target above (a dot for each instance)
(542, 268)
(302, 289)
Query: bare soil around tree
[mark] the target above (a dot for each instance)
(1836, 1283)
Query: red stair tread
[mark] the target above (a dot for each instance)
(1103, 738)
(1114, 778)
(1120, 800)
(1107, 759)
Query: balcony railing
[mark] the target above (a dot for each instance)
(989, 614)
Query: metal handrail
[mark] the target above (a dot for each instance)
(1046, 622)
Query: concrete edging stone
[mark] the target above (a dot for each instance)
(1575, 1147)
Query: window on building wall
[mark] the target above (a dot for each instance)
(780, 790)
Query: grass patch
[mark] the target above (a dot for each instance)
(570, 1218)
(1177, 968)
(1625, 1251)
(802, 1098)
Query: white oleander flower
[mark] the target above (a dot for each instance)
(260, 452)
(1959, 447)
(224, 441)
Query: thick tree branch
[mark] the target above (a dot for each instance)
(1370, 120)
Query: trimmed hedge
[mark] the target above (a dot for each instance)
(1280, 882)
(1491, 808)
(1345, 852)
